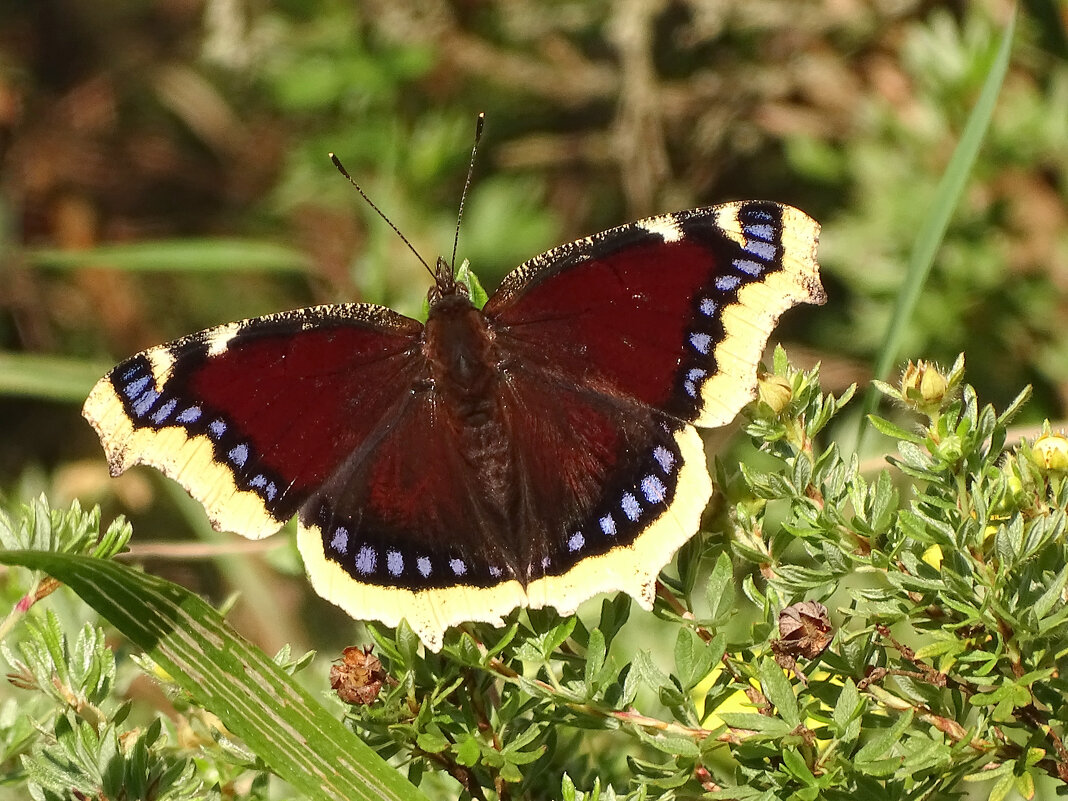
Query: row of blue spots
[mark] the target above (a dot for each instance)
(366, 561)
(139, 389)
(141, 392)
(653, 489)
(759, 242)
(261, 482)
(693, 377)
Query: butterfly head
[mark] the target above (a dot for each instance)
(445, 283)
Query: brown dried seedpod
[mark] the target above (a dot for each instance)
(359, 676)
(806, 631)
(805, 628)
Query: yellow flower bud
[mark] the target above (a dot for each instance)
(923, 385)
(775, 391)
(1050, 452)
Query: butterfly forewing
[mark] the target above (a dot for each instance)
(252, 417)
(672, 311)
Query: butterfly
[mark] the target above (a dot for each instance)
(533, 452)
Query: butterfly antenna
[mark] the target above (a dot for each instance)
(463, 195)
(341, 169)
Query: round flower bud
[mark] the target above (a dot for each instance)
(1050, 452)
(923, 385)
(774, 391)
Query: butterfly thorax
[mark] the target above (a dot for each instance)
(459, 349)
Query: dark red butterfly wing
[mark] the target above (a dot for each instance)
(253, 417)
(664, 321)
(439, 530)
(673, 311)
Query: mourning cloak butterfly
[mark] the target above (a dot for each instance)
(534, 452)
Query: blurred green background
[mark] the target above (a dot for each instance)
(163, 168)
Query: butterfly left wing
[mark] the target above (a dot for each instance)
(253, 416)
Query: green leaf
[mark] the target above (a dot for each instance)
(281, 722)
(758, 723)
(847, 711)
(48, 377)
(893, 431)
(595, 659)
(720, 590)
(693, 658)
(432, 740)
(190, 255)
(795, 763)
(466, 276)
(880, 744)
(1052, 594)
(950, 190)
(778, 690)
(674, 745)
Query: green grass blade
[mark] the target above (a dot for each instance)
(947, 196)
(281, 722)
(187, 255)
(48, 377)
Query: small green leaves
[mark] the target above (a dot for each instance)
(936, 621)
(719, 591)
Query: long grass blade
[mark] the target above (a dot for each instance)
(280, 721)
(179, 255)
(947, 196)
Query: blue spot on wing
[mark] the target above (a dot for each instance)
(653, 489)
(164, 411)
(727, 283)
(189, 415)
(762, 250)
(145, 402)
(664, 458)
(239, 454)
(608, 525)
(135, 388)
(340, 541)
(366, 560)
(760, 231)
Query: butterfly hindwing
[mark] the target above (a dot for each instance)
(583, 495)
